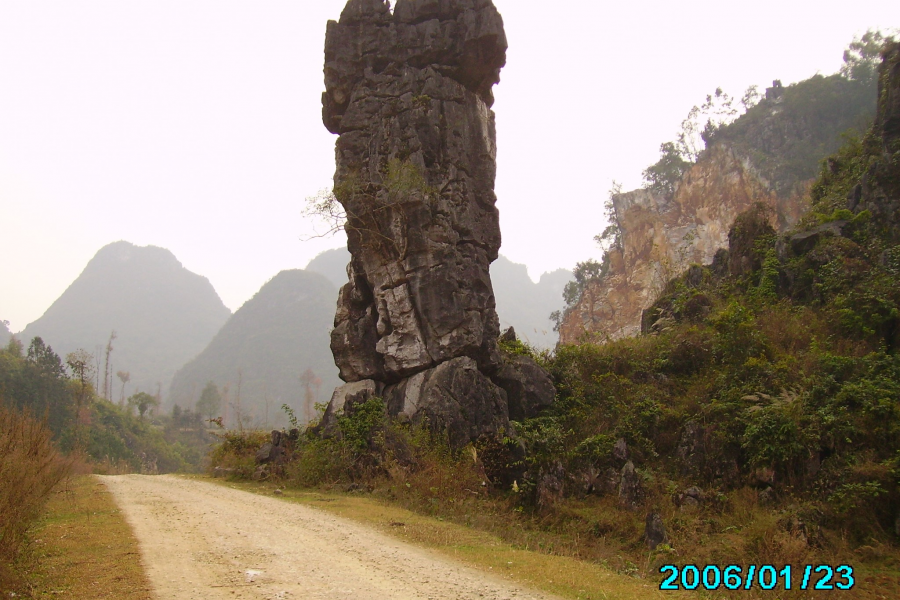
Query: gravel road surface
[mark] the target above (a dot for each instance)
(202, 541)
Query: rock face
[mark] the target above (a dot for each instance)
(878, 191)
(511, 284)
(888, 119)
(662, 236)
(409, 93)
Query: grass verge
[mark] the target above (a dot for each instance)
(83, 549)
(563, 576)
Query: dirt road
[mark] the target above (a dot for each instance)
(202, 541)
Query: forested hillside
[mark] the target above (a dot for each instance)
(59, 390)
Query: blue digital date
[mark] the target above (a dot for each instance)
(764, 577)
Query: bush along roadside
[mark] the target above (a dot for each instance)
(30, 467)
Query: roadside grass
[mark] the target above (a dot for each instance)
(560, 575)
(83, 549)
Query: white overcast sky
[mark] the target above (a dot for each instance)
(195, 125)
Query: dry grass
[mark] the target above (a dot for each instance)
(560, 575)
(30, 467)
(83, 548)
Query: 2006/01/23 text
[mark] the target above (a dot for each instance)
(765, 577)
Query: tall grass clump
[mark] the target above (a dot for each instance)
(30, 467)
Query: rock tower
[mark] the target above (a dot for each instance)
(409, 93)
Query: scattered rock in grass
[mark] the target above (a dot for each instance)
(655, 531)
(620, 451)
(631, 490)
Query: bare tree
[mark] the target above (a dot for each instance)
(107, 370)
(124, 377)
(309, 379)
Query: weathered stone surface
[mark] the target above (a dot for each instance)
(346, 396)
(454, 397)
(528, 387)
(620, 451)
(631, 490)
(654, 531)
(409, 94)
(266, 453)
(551, 485)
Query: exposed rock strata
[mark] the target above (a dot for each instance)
(662, 236)
(409, 93)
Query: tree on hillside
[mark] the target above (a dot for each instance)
(210, 401)
(45, 359)
(862, 57)
(310, 380)
(37, 382)
(143, 402)
(82, 364)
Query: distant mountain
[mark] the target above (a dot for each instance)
(162, 314)
(526, 305)
(521, 303)
(274, 350)
(333, 265)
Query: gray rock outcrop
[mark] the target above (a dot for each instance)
(654, 531)
(409, 94)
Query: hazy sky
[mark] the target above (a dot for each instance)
(196, 124)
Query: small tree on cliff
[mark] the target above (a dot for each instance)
(863, 56)
(662, 177)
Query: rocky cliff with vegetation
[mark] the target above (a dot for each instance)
(162, 315)
(769, 155)
(755, 419)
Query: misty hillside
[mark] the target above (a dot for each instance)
(333, 265)
(521, 303)
(265, 348)
(162, 314)
(526, 305)
(5, 334)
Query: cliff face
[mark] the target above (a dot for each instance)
(770, 155)
(662, 236)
